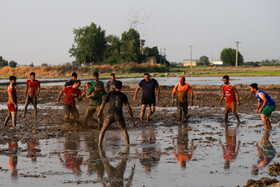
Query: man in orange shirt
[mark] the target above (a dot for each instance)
(31, 93)
(12, 102)
(182, 90)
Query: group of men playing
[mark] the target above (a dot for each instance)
(98, 95)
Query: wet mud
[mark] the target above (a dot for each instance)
(204, 151)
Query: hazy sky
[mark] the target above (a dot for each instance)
(41, 31)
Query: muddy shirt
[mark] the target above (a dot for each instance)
(116, 99)
(97, 99)
(32, 87)
(12, 90)
(110, 85)
(182, 91)
(70, 95)
(229, 93)
(69, 83)
(148, 88)
(93, 83)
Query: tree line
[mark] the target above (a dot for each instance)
(92, 46)
(4, 62)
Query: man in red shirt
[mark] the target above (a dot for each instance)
(72, 93)
(12, 102)
(231, 98)
(31, 93)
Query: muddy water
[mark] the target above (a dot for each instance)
(163, 152)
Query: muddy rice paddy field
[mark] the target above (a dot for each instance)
(47, 151)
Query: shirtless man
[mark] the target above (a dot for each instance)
(148, 85)
(72, 93)
(116, 99)
(12, 102)
(31, 93)
(265, 105)
(232, 98)
(182, 98)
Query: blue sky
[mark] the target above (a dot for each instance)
(41, 31)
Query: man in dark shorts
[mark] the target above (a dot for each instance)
(72, 93)
(111, 83)
(74, 77)
(232, 98)
(265, 105)
(12, 102)
(148, 85)
(182, 90)
(116, 99)
(95, 96)
(31, 93)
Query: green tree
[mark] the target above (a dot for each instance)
(75, 64)
(130, 49)
(3, 62)
(31, 65)
(13, 64)
(203, 61)
(151, 51)
(228, 56)
(89, 44)
(112, 53)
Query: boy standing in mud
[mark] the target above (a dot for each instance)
(72, 93)
(148, 96)
(265, 105)
(96, 80)
(74, 77)
(232, 98)
(31, 93)
(115, 99)
(95, 96)
(12, 102)
(182, 90)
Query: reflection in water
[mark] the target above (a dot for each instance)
(32, 150)
(94, 162)
(150, 155)
(230, 151)
(13, 159)
(116, 174)
(72, 160)
(183, 153)
(266, 153)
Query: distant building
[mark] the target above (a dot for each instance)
(217, 63)
(187, 63)
(151, 60)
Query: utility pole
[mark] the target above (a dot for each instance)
(236, 60)
(191, 54)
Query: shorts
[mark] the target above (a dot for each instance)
(148, 101)
(268, 110)
(114, 118)
(32, 100)
(230, 107)
(11, 107)
(73, 110)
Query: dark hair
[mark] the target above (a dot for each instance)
(95, 74)
(254, 85)
(118, 84)
(12, 78)
(74, 74)
(88, 83)
(226, 77)
(147, 74)
(77, 81)
(113, 74)
(32, 73)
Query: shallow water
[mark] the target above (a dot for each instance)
(169, 81)
(151, 152)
